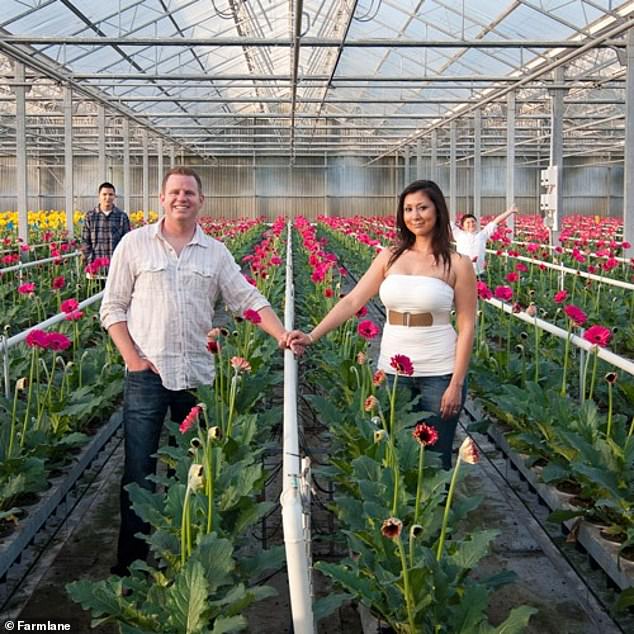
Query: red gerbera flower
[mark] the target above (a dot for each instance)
(191, 419)
(252, 315)
(402, 364)
(505, 293)
(560, 297)
(69, 305)
(391, 528)
(425, 435)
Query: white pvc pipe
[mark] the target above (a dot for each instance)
(606, 355)
(296, 541)
(51, 321)
(563, 269)
(26, 265)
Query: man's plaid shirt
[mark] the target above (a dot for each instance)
(101, 233)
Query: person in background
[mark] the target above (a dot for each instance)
(473, 243)
(158, 307)
(419, 280)
(104, 226)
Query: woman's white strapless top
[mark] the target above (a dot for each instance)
(432, 349)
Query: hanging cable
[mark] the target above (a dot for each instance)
(220, 14)
(371, 12)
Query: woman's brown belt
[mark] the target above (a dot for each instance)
(415, 319)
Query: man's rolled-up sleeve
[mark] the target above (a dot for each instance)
(236, 292)
(119, 286)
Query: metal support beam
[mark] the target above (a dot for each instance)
(510, 156)
(172, 158)
(477, 164)
(21, 181)
(419, 159)
(101, 132)
(159, 171)
(297, 32)
(146, 175)
(69, 191)
(127, 181)
(406, 176)
(628, 177)
(557, 150)
(453, 173)
(433, 172)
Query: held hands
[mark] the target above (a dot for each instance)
(451, 401)
(296, 341)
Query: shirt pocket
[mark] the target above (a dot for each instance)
(199, 279)
(152, 278)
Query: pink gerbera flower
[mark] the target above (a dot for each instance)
(575, 314)
(252, 315)
(598, 335)
(425, 435)
(367, 329)
(402, 364)
(504, 293)
(560, 297)
(240, 364)
(191, 419)
(69, 305)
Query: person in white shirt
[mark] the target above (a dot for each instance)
(471, 242)
(158, 306)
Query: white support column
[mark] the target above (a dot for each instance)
(326, 209)
(102, 174)
(69, 191)
(433, 172)
(419, 159)
(159, 168)
(453, 172)
(510, 156)
(172, 156)
(20, 152)
(146, 174)
(557, 146)
(628, 176)
(126, 166)
(406, 176)
(477, 164)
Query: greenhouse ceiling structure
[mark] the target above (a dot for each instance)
(372, 78)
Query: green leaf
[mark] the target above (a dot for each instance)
(325, 606)
(250, 516)
(229, 624)
(263, 561)
(216, 558)
(625, 600)
(516, 621)
(186, 600)
(469, 552)
(563, 515)
(469, 613)
(361, 588)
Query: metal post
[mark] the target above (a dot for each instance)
(557, 146)
(477, 164)
(510, 157)
(159, 164)
(628, 176)
(433, 171)
(326, 210)
(172, 156)
(20, 152)
(146, 174)
(406, 176)
(126, 166)
(419, 159)
(68, 159)
(453, 173)
(101, 140)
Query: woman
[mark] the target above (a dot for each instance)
(418, 280)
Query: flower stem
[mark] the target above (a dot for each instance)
(419, 484)
(566, 352)
(594, 372)
(445, 519)
(608, 432)
(406, 588)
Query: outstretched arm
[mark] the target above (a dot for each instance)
(503, 216)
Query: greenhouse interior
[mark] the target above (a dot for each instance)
(317, 316)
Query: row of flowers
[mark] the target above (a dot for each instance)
(397, 507)
(207, 571)
(576, 429)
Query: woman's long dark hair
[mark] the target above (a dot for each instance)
(441, 237)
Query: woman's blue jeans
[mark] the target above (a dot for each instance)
(145, 404)
(430, 389)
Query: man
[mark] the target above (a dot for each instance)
(471, 242)
(104, 226)
(158, 307)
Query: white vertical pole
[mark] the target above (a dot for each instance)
(68, 159)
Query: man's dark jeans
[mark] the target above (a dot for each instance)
(145, 405)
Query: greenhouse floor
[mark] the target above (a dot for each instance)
(84, 548)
